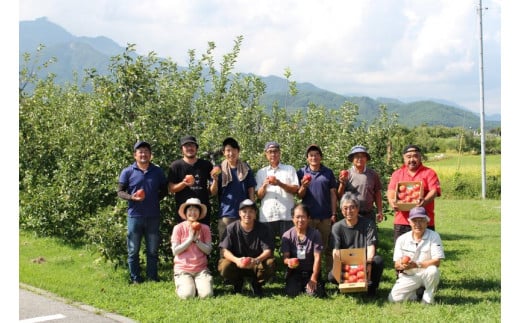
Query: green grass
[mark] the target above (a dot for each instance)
(468, 164)
(470, 289)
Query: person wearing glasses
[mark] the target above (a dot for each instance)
(355, 231)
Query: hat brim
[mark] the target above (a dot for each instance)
(182, 210)
(350, 157)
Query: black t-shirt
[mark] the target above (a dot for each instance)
(361, 235)
(247, 244)
(201, 171)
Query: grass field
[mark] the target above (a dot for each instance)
(470, 289)
(449, 164)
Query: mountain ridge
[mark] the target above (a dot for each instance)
(76, 53)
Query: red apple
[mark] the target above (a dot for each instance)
(271, 179)
(189, 179)
(353, 271)
(216, 170)
(343, 173)
(405, 260)
(352, 279)
(401, 196)
(417, 187)
(345, 276)
(402, 188)
(245, 261)
(346, 267)
(360, 274)
(195, 226)
(140, 193)
(293, 262)
(360, 268)
(307, 177)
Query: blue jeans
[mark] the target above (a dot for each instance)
(137, 228)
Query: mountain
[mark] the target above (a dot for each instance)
(75, 54)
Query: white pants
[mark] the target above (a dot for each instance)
(190, 284)
(406, 285)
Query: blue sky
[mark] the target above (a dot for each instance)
(404, 49)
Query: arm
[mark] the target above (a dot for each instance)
(251, 193)
(263, 256)
(390, 195)
(261, 190)
(334, 204)
(178, 248)
(379, 206)
(121, 192)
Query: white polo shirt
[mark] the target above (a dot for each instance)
(430, 247)
(277, 202)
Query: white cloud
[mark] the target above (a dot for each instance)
(398, 48)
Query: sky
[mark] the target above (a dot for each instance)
(404, 49)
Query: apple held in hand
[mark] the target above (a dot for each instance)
(405, 260)
(271, 179)
(140, 193)
(195, 226)
(293, 262)
(307, 177)
(189, 179)
(216, 170)
(246, 261)
(343, 173)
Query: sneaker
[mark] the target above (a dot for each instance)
(257, 289)
(420, 292)
(136, 281)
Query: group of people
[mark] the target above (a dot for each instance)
(297, 215)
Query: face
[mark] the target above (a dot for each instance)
(300, 218)
(314, 158)
(142, 155)
(359, 160)
(247, 215)
(189, 150)
(231, 154)
(418, 224)
(192, 213)
(273, 156)
(349, 210)
(412, 160)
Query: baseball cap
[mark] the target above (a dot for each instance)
(272, 144)
(247, 203)
(313, 147)
(411, 148)
(357, 149)
(140, 144)
(189, 139)
(418, 212)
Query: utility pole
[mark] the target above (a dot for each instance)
(482, 114)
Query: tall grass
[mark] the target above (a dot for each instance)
(470, 289)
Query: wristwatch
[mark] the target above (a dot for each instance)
(196, 241)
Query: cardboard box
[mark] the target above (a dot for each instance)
(407, 198)
(355, 258)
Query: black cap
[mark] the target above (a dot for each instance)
(140, 144)
(189, 140)
(411, 148)
(313, 147)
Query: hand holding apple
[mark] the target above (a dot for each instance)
(245, 262)
(306, 178)
(195, 226)
(139, 194)
(271, 179)
(216, 170)
(343, 175)
(293, 263)
(189, 179)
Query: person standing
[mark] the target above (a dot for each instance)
(143, 185)
(302, 244)
(318, 191)
(276, 187)
(420, 269)
(365, 183)
(191, 245)
(184, 187)
(357, 232)
(413, 170)
(236, 183)
(247, 249)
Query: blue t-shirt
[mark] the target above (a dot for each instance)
(317, 197)
(152, 181)
(233, 193)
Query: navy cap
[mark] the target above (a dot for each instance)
(140, 144)
(313, 147)
(418, 212)
(357, 149)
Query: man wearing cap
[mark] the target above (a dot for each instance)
(191, 245)
(318, 190)
(276, 187)
(423, 250)
(247, 249)
(236, 183)
(143, 185)
(363, 182)
(413, 170)
(201, 170)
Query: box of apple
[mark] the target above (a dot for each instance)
(350, 270)
(407, 195)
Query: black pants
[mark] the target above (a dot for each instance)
(296, 282)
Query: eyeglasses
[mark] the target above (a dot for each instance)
(349, 207)
(274, 151)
